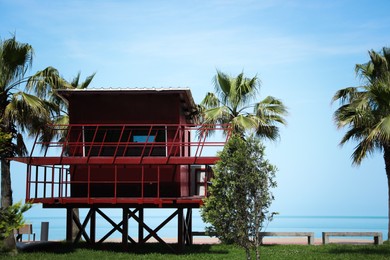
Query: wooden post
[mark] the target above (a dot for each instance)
(189, 238)
(180, 229)
(140, 226)
(69, 224)
(93, 226)
(125, 227)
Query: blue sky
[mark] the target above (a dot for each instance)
(303, 51)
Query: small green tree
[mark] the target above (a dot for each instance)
(240, 195)
(11, 218)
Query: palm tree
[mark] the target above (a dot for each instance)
(231, 104)
(20, 111)
(365, 110)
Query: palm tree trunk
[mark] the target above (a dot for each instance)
(388, 202)
(6, 191)
(386, 157)
(75, 228)
(9, 243)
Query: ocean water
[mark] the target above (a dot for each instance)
(153, 217)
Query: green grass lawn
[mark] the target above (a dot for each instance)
(155, 251)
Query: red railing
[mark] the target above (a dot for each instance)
(53, 185)
(132, 140)
(49, 174)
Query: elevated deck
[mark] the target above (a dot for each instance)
(183, 202)
(111, 165)
(104, 160)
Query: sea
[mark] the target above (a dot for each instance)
(153, 218)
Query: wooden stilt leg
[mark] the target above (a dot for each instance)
(69, 224)
(93, 226)
(140, 226)
(189, 238)
(180, 229)
(125, 229)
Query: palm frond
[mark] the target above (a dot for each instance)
(243, 122)
(16, 57)
(271, 110)
(354, 133)
(381, 131)
(362, 150)
(270, 132)
(345, 115)
(345, 95)
(245, 89)
(26, 111)
(44, 82)
(86, 82)
(222, 84)
(210, 101)
(20, 146)
(216, 115)
(61, 120)
(364, 71)
(75, 81)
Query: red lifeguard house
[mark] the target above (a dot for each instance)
(130, 149)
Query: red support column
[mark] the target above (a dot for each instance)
(28, 182)
(52, 182)
(36, 181)
(44, 181)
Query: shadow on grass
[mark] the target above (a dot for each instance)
(64, 248)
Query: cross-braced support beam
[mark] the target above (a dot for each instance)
(184, 227)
